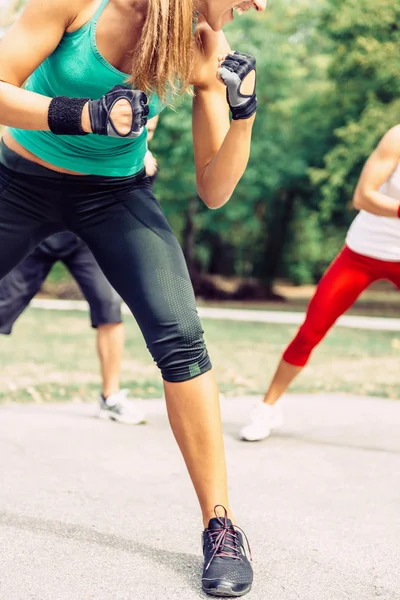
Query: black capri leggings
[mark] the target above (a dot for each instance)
(123, 225)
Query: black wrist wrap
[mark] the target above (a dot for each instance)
(245, 110)
(65, 115)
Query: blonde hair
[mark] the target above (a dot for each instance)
(162, 61)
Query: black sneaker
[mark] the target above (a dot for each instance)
(227, 570)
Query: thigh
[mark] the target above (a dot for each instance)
(394, 274)
(22, 225)
(346, 278)
(19, 286)
(104, 302)
(140, 256)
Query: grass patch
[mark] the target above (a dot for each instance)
(51, 356)
(59, 273)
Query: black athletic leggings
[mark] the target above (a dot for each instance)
(125, 228)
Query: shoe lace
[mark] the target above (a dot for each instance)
(225, 541)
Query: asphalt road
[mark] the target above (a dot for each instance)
(95, 510)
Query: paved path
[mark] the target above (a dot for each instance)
(94, 510)
(248, 315)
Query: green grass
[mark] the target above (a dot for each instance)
(51, 356)
(59, 274)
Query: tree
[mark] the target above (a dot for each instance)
(363, 69)
(328, 84)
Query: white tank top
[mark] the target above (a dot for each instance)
(378, 237)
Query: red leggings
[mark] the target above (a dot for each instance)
(346, 278)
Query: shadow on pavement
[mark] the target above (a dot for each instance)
(288, 436)
(187, 566)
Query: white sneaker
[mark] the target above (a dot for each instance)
(262, 420)
(117, 407)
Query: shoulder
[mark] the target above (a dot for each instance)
(389, 146)
(62, 11)
(209, 45)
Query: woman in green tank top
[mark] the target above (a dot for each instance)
(72, 159)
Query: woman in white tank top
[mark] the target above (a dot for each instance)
(375, 232)
(371, 252)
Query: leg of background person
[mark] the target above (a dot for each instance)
(394, 275)
(105, 311)
(346, 278)
(19, 286)
(110, 348)
(142, 259)
(283, 377)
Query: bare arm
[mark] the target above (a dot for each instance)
(378, 168)
(26, 45)
(221, 149)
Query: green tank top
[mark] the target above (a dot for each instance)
(77, 69)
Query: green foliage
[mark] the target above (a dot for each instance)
(363, 68)
(355, 142)
(173, 148)
(311, 248)
(286, 139)
(328, 86)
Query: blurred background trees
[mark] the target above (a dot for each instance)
(328, 87)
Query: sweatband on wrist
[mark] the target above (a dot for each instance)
(245, 110)
(65, 115)
(398, 211)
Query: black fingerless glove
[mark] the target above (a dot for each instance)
(99, 112)
(65, 114)
(233, 71)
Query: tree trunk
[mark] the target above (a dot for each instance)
(276, 238)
